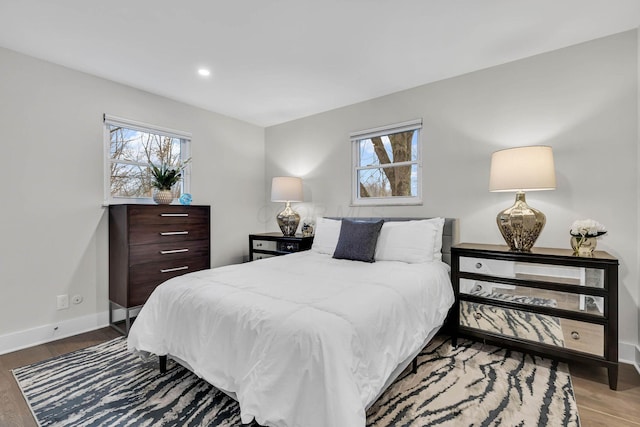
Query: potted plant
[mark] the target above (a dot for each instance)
(163, 178)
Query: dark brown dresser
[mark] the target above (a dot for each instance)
(149, 244)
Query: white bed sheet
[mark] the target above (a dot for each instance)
(301, 340)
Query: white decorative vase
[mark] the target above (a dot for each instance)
(163, 197)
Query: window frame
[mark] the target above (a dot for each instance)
(185, 153)
(357, 137)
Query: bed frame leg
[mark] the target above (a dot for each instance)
(414, 365)
(163, 363)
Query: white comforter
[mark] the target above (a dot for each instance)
(303, 339)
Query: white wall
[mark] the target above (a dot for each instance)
(637, 352)
(581, 100)
(53, 230)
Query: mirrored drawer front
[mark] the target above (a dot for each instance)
(490, 267)
(288, 246)
(533, 327)
(581, 336)
(593, 277)
(265, 245)
(262, 256)
(536, 297)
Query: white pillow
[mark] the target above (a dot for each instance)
(410, 241)
(327, 233)
(437, 244)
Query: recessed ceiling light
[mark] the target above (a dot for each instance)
(204, 72)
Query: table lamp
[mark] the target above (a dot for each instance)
(522, 169)
(287, 189)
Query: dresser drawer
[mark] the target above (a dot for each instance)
(171, 214)
(487, 266)
(535, 297)
(158, 272)
(288, 246)
(161, 252)
(535, 327)
(582, 336)
(141, 234)
(265, 245)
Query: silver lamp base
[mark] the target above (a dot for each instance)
(520, 224)
(288, 220)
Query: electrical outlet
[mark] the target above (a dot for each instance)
(62, 302)
(77, 299)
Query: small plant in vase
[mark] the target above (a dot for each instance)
(163, 178)
(584, 234)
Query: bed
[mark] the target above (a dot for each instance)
(307, 339)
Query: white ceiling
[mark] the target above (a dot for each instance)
(277, 60)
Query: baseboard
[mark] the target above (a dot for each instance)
(629, 353)
(46, 333)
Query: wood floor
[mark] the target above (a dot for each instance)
(597, 405)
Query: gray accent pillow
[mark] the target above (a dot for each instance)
(358, 240)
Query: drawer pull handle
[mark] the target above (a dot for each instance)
(169, 270)
(173, 233)
(477, 315)
(174, 251)
(478, 265)
(259, 245)
(174, 214)
(575, 335)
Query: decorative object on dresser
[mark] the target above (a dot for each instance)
(307, 228)
(265, 245)
(185, 199)
(519, 169)
(149, 244)
(287, 189)
(547, 302)
(584, 236)
(163, 178)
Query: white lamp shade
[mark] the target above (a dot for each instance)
(286, 189)
(522, 168)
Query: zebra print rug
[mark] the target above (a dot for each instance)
(471, 385)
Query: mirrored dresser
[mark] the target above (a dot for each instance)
(547, 302)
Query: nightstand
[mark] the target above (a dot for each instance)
(265, 245)
(547, 302)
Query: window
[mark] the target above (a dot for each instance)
(130, 148)
(387, 165)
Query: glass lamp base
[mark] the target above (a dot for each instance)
(520, 224)
(288, 221)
